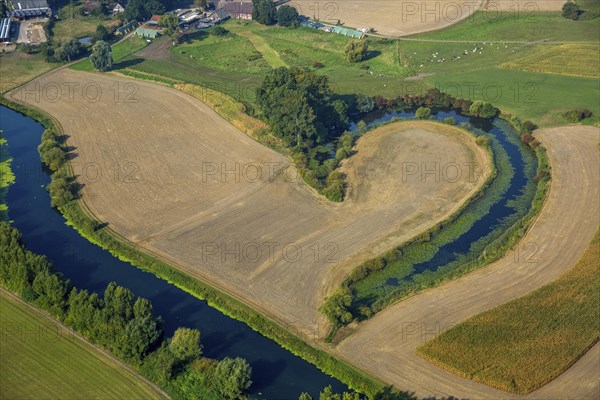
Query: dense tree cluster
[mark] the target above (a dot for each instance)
(288, 16)
(141, 10)
(53, 152)
(291, 100)
(264, 12)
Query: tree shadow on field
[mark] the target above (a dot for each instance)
(188, 38)
(371, 54)
(128, 63)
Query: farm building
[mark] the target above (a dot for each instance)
(23, 9)
(125, 29)
(147, 33)
(239, 10)
(5, 30)
(118, 9)
(348, 32)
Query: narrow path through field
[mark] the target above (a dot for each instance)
(259, 43)
(385, 345)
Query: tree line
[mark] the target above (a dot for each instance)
(122, 323)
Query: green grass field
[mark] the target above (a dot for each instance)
(471, 69)
(120, 50)
(564, 59)
(17, 68)
(527, 25)
(524, 344)
(42, 360)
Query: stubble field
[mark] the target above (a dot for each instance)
(169, 174)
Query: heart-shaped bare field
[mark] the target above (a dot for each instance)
(168, 173)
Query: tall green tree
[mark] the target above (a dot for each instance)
(264, 12)
(185, 344)
(233, 377)
(101, 56)
(287, 16)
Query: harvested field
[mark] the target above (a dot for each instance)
(168, 173)
(402, 17)
(385, 345)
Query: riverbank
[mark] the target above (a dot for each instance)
(77, 217)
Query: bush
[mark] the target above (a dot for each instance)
(287, 16)
(449, 121)
(577, 115)
(356, 51)
(423, 113)
(571, 10)
(219, 31)
(483, 109)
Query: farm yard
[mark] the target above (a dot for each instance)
(196, 211)
(42, 359)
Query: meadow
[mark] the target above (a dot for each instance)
(42, 359)
(468, 60)
(72, 24)
(120, 50)
(18, 67)
(564, 59)
(522, 345)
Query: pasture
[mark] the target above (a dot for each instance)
(227, 210)
(41, 359)
(18, 67)
(463, 66)
(522, 345)
(564, 59)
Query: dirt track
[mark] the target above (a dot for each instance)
(385, 345)
(408, 17)
(168, 173)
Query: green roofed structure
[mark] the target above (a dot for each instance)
(147, 33)
(125, 29)
(348, 32)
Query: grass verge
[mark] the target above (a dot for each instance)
(42, 359)
(524, 344)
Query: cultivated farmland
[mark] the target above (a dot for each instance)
(522, 345)
(553, 244)
(43, 360)
(169, 174)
